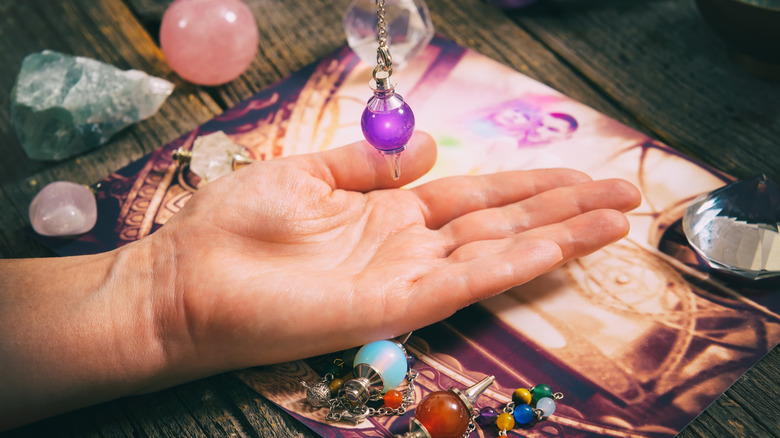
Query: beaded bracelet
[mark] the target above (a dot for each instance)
(451, 414)
(535, 403)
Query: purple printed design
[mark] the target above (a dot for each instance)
(641, 336)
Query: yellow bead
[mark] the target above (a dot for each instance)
(505, 421)
(522, 396)
(335, 385)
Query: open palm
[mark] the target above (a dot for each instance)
(304, 255)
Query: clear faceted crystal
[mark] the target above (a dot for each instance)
(213, 155)
(735, 228)
(409, 29)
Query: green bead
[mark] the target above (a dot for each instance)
(541, 391)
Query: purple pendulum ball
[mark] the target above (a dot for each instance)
(387, 122)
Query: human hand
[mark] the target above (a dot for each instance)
(300, 256)
(285, 259)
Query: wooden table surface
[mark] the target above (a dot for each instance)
(651, 64)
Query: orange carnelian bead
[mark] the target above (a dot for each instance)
(393, 399)
(505, 421)
(443, 414)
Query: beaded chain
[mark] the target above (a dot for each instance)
(325, 393)
(536, 403)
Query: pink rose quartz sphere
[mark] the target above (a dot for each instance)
(209, 42)
(63, 208)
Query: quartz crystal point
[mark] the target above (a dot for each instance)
(409, 29)
(64, 105)
(214, 155)
(735, 228)
(63, 208)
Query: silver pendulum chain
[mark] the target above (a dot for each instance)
(408, 399)
(339, 409)
(384, 62)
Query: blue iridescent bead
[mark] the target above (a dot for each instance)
(523, 414)
(386, 358)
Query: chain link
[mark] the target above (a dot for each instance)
(337, 410)
(472, 424)
(408, 398)
(510, 407)
(384, 60)
(381, 25)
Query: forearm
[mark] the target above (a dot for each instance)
(77, 331)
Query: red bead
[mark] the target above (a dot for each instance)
(443, 415)
(393, 399)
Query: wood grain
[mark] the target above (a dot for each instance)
(659, 62)
(651, 64)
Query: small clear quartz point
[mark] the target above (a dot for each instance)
(735, 228)
(394, 164)
(212, 156)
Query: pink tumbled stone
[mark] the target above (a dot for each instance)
(63, 208)
(209, 42)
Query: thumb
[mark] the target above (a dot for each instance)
(360, 167)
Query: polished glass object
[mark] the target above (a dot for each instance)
(735, 228)
(63, 208)
(447, 414)
(209, 42)
(385, 358)
(409, 29)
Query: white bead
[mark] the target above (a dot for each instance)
(547, 405)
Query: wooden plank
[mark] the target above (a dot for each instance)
(263, 416)
(661, 64)
(162, 414)
(210, 410)
(756, 393)
(580, 64)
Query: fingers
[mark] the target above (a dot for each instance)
(449, 198)
(361, 168)
(481, 269)
(546, 208)
(576, 237)
(489, 269)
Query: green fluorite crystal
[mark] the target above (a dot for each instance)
(63, 105)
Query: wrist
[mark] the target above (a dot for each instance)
(76, 331)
